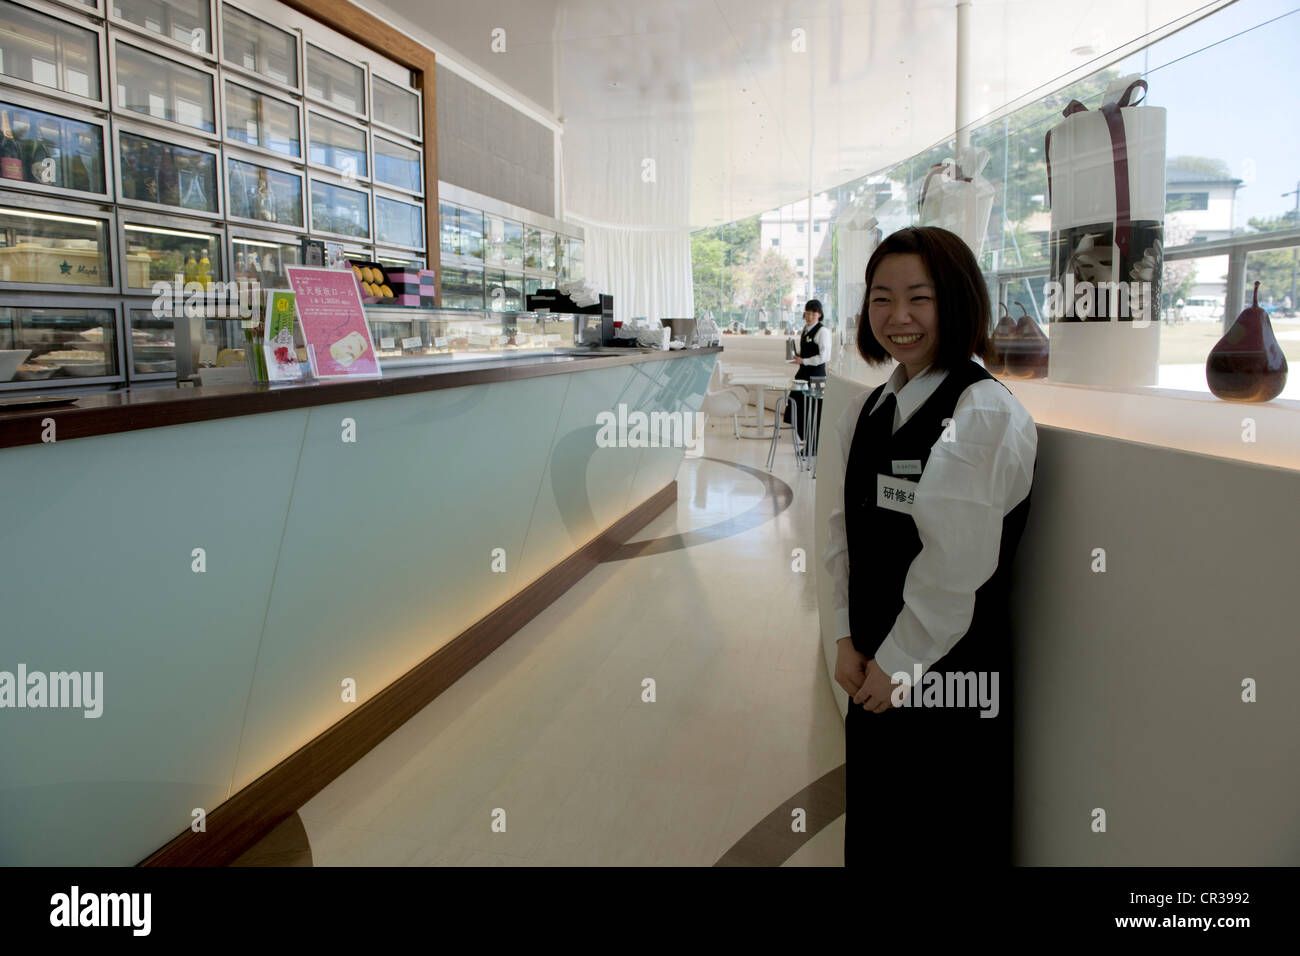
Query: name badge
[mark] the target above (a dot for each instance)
(896, 494)
(910, 466)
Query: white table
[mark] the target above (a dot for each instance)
(761, 381)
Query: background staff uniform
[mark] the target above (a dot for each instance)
(815, 350)
(926, 584)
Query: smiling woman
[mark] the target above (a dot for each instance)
(936, 493)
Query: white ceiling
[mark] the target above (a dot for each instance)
(721, 79)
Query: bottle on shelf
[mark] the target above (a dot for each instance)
(79, 174)
(45, 155)
(240, 265)
(265, 197)
(169, 193)
(239, 192)
(191, 268)
(11, 155)
(205, 271)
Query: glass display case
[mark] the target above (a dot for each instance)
(160, 253)
(466, 236)
(419, 336)
(162, 89)
(539, 249)
(50, 151)
(399, 261)
(394, 106)
(337, 146)
(505, 290)
(55, 250)
(574, 267)
(187, 22)
(262, 121)
(339, 210)
(166, 174)
(397, 165)
(63, 344)
(262, 259)
(263, 193)
(462, 288)
(399, 223)
(258, 47)
(333, 80)
(42, 52)
(151, 344)
(504, 241)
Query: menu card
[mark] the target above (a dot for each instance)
(334, 323)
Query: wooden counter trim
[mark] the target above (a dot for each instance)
(107, 413)
(242, 820)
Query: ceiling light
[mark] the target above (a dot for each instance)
(1085, 50)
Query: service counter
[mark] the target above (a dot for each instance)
(230, 559)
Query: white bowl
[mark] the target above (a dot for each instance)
(10, 359)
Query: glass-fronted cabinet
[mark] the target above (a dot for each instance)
(333, 80)
(262, 121)
(150, 84)
(575, 267)
(151, 345)
(398, 166)
(539, 249)
(416, 336)
(505, 290)
(61, 344)
(337, 146)
(160, 253)
(60, 249)
(50, 152)
(399, 223)
(186, 22)
(43, 52)
(339, 210)
(504, 241)
(258, 47)
(262, 259)
(264, 193)
(159, 173)
(395, 106)
(462, 288)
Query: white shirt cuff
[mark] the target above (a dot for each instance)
(891, 659)
(841, 623)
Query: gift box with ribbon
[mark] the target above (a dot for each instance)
(1106, 187)
(955, 196)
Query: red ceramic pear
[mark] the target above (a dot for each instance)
(1026, 352)
(1247, 364)
(995, 358)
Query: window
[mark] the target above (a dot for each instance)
(798, 227)
(817, 227)
(798, 262)
(1176, 202)
(776, 241)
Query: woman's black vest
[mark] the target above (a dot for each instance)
(882, 543)
(808, 348)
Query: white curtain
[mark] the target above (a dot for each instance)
(627, 181)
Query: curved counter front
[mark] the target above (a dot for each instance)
(222, 565)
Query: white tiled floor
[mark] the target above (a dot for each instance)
(552, 729)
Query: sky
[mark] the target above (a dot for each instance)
(1238, 101)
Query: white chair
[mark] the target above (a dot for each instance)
(720, 400)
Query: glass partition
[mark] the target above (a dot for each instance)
(399, 223)
(342, 211)
(462, 288)
(397, 165)
(337, 146)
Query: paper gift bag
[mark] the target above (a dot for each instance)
(956, 196)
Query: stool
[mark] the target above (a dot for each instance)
(777, 425)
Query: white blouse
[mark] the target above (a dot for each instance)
(823, 340)
(966, 490)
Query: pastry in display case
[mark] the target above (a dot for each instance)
(153, 343)
(61, 343)
(417, 336)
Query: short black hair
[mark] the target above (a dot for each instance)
(814, 305)
(960, 295)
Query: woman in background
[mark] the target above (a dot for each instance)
(811, 356)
